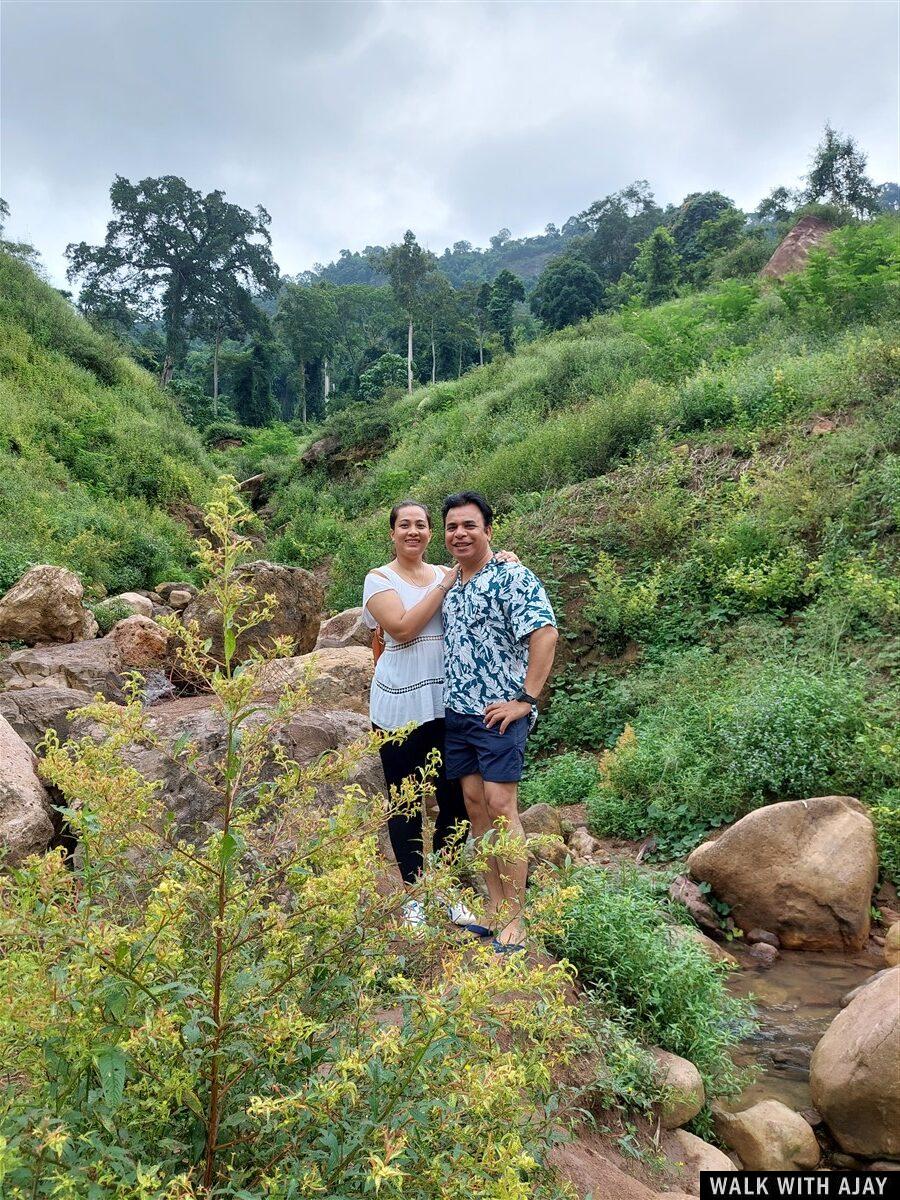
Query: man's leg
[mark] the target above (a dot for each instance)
(501, 803)
(473, 787)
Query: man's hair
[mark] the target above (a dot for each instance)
(458, 499)
(395, 511)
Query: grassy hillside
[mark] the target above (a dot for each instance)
(711, 489)
(92, 454)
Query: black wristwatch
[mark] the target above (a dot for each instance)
(521, 694)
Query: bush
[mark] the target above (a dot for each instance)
(670, 993)
(227, 1013)
(566, 779)
(885, 814)
(108, 613)
(586, 712)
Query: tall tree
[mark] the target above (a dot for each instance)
(253, 399)
(617, 223)
(695, 210)
(838, 175)
(658, 267)
(567, 291)
(172, 253)
(439, 311)
(505, 291)
(307, 321)
(406, 266)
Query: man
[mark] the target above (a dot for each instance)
(499, 641)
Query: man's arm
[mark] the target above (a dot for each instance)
(541, 649)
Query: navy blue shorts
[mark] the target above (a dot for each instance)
(472, 749)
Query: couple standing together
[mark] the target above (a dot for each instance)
(467, 650)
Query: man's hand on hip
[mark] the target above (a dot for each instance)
(505, 712)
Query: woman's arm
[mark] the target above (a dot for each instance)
(404, 625)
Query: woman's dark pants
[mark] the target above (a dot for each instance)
(405, 829)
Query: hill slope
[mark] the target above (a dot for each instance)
(92, 454)
(711, 488)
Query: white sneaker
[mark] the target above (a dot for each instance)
(460, 915)
(413, 914)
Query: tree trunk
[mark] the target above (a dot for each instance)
(216, 375)
(325, 384)
(409, 360)
(303, 390)
(433, 357)
(168, 367)
(480, 351)
(459, 363)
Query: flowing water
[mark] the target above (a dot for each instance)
(796, 999)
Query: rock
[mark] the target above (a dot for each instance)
(164, 590)
(768, 1137)
(793, 251)
(684, 1087)
(32, 711)
(325, 447)
(763, 935)
(884, 1166)
(854, 992)
(763, 954)
(855, 1071)
(179, 598)
(336, 678)
(812, 1117)
(695, 1155)
(584, 1165)
(685, 891)
(581, 844)
(88, 666)
(140, 605)
(298, 603)
(706, 944)
(845, 1162)
(346, 629)
(541, 818)
(804, 869)
(46, 606)
(26, 824)
(892, 945)
(552, 853)
(139, 642)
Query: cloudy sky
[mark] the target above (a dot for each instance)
(353, 121)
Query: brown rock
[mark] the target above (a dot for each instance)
(685, 1093)
(854, 992)
(346, 629)
(139, 642)
(32, 711)
(550, 853)
(763, 935)
(88, 666)
(298, 604)
(581, 844)
(716, 952)
(336, 678)
(164, 590)
(685, 891)
(541, 818)
(763, 954)
(695, 1156)
(892, 945)
(768, 1137)
(26, 824)
(179, 598)
(855, 1071)
(46, 606)
(793, 250)
(804, 869)
(140, 605)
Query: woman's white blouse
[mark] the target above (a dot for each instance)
(409, 676)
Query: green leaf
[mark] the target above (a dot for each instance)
(230, 643)
(110, 1065)
(228, 848)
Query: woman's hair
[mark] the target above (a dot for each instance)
(410, 504)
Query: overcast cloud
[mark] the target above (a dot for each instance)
(351, 122)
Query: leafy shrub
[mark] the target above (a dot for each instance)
(565, 779)
(14, 562)
(227, 1013)
(621, 609)
(385, 374)
(669, 991)
(885, 814)
(586, 712)
(108, 613)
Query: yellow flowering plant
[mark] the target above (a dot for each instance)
(236, 1011)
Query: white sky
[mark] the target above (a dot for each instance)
(351, 122)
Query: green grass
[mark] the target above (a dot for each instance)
(92, 453)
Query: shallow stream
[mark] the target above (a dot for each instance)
(796, 999)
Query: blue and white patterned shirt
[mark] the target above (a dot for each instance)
(487, 622)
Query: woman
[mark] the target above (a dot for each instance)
(404, 598)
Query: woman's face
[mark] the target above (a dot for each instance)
(411, 533)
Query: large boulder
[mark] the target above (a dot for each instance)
(46, 605)
(339, 678)
(694, 1155)
(685, 1094)
(768, 1137)
(854, 1076)
(892, 945)
(32, 711)
(803, 869)
(347, 628)
(298, 606)
(684, 891)
(99, 665)
(26, 825)
(139, 604)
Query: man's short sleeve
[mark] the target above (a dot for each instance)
(527, 605)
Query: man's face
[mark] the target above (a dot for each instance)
(465, 534)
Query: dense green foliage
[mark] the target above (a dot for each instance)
(92, 454)
(668, 990)
(725, 573)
